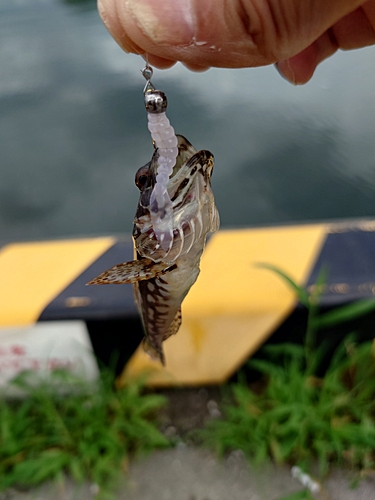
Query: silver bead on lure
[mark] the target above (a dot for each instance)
(176, 211)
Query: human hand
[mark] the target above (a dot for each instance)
(295, 34)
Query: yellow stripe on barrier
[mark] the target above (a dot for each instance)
(32, 274)
(234, 306)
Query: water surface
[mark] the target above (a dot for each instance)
(73, 130)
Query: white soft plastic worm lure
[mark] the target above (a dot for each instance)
(165, 141)
(161, 206)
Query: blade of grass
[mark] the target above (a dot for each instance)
(301, 293)
(345, 313)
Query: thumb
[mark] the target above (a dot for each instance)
(221, 33)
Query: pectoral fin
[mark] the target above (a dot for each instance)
(131, 272)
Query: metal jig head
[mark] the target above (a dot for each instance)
(155, 100)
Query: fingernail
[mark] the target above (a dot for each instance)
(285, 70)
(164, 22)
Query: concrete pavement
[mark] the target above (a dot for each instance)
(188, 473)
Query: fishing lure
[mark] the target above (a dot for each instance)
(176, 211)
(165, 140)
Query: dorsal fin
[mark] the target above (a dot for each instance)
(131, 272)
(175, 325)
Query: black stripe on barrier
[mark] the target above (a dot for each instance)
(349, 258)
(95, 302)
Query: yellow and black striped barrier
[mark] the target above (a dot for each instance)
(232, 309)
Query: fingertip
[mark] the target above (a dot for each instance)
(300, 68)
(297, 70)
(160, 62)
(285, 71)
(196, 67)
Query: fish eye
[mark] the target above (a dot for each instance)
(141, 181)
(142, 176)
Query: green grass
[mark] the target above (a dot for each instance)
(291, 416)
(88, 434)
(298, 495)
(295, 417)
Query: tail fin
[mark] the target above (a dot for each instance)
(153, 350)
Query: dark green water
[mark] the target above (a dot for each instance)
(73, 130)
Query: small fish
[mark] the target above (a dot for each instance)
(162, 277)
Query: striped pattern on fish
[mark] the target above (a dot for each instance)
(162, 277)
